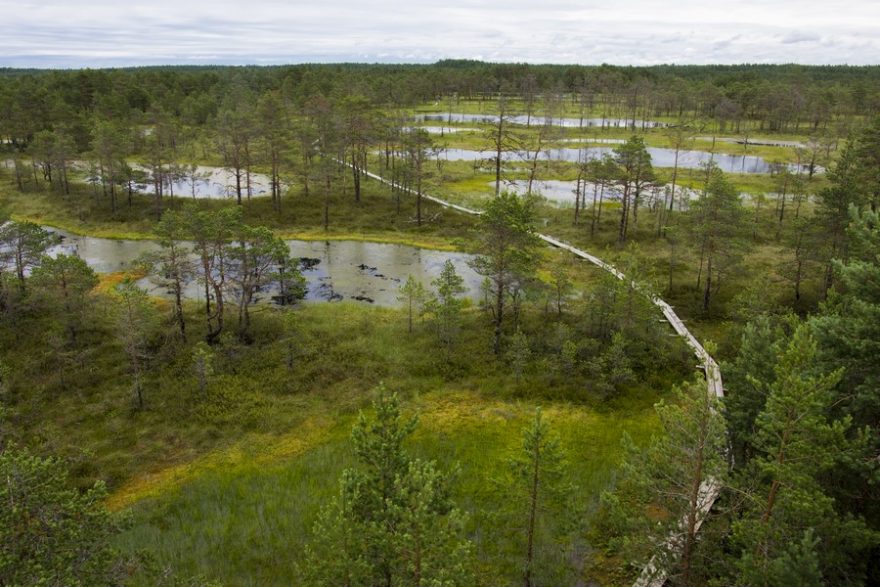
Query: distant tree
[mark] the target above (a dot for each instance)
(546, 134)
(507, 242)
(305, 130)
(358, 122)
(64, 282)
(413, 295)
(680, 135)
(192, 175)
(446, 305)
(22, 244)
(867, 152)
(602, 173)
(502, 139)
(636, 174)
(109, 150)
(54, 150)
(135, 320)
(235, 131)
(50, 532)
(717, 228)
(417, 145)
(254, 260)
(328, 144)
(274, 129)
(803, 241)
(172, 265)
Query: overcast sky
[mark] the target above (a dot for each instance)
(79, 33)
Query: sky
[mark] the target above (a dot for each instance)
(110, 33)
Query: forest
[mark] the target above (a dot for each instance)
(454, 324)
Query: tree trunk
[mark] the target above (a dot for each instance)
(708, 292)
(499, 316)
(533, 512)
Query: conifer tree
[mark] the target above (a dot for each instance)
(785, 502)
(393, 522)
(540, 488)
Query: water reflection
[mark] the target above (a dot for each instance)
(334, 270)
(660, 157)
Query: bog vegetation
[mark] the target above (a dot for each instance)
(548, 428)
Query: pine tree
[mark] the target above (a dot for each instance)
(446, 305)
(747, 380)
(413, 296)
(135, 319)
(635, 175)
(172, 265)
(833, 209)
(675, 476)
(540, 489)
(50, 532)
(718, 229)
(22, 244)
(393, 522)
(796, 443)
(507, 242)
(518, 353)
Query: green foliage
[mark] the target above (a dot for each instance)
(796, 443)
(540, 491)
(413, 296)
(393, 522)
(612, 369)
(748, 378)
(203, 365)
(659, 501)
(634, 174)
(50, 532)
(519, 353)
(507, 252)
(135, 324)
(22, 245)
(446, 305)
(849, 326)
(62, 284)
(718, 230)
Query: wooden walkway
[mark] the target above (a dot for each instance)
(651, 575)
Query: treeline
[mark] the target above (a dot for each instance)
(787, 98)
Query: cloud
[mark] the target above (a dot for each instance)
(799, 37)
(640, 32)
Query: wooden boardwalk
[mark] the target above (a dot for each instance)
(651, 575)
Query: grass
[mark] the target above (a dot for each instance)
(242, 468)
(259, 513)
(374, 218)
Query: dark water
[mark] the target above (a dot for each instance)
(334, 270)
